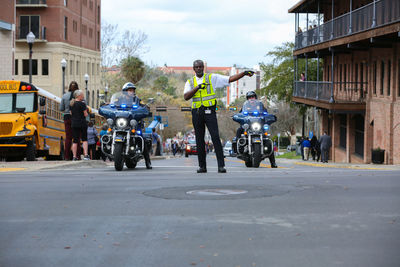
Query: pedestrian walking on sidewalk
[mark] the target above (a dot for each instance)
(326, 143)
(65, 109)
(307, 146)
(79, 124)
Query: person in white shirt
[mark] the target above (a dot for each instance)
(200, 89)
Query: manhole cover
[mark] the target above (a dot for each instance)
(216, 192)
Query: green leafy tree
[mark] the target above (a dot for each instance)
(161, 83)
(132, 69)
(279, 74)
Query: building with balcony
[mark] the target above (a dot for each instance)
(356, 43)
(64, 29)
(7, 44)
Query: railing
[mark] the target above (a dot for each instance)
(31, 2)
(358, 20)
(321, 91)
(39, 32)
(313, 90)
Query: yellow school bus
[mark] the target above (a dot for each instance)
(31, 124)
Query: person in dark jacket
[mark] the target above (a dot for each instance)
(315, 148)
(65, 108)
(79, 124)
(325, 143)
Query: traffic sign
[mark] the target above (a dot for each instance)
(186, 109)
(161, 108)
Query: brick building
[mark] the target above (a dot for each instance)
(64, 29)
(357, 46)
(7, 44)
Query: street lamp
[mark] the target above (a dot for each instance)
(86, 88)
(105, 93)
(63, 66)
(30, 39)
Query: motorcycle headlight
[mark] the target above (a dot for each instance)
(110, 122)
(245, 126)
(256, 126)
(121, 123)
(266, 127)
(23, 132)
(133, 123)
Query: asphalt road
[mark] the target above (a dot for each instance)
(295, 215)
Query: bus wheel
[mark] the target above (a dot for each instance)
(15, 158)
(31, 150)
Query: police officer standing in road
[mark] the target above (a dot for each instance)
(200, 89)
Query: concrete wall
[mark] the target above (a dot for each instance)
(6, 54)
(55, 52)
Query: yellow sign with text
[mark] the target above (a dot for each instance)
(9, 86)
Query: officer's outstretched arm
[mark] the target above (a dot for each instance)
(238, 76)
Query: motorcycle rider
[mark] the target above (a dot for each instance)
(251, 95)
(129, 96)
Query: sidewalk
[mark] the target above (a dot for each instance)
(41, 164)
(356, 166)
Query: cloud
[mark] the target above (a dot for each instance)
(223, 32)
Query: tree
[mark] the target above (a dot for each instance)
(116, 46)
(132, 44)
(279, 73)
(132, 69)
(109, 33)
(161, 83)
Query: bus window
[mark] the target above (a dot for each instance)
(6, 103)
(25, 101)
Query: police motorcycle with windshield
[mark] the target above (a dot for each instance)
(254, 144)
(125, 141)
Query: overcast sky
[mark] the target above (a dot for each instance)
(222, 32)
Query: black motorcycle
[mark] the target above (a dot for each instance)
(254, 143)
(126, 142)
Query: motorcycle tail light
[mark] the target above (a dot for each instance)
(266, 134)
(245, 133)
(109, 129)
(133, 131)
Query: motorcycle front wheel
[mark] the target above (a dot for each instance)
(256, 159)
(118, 157)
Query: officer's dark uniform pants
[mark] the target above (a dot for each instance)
(200, 119)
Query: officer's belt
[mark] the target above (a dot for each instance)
(196, 99)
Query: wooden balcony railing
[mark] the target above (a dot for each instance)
(31, 3)
(322, 91)
(370, 16)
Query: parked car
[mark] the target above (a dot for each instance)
(228, 152)
(291, 148)
(191, 148)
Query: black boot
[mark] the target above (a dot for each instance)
(202, 170)
(272, 161)
(148, 165)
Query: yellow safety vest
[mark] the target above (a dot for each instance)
(203, 97)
